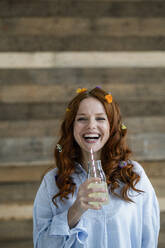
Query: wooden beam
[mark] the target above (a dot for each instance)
(33, 171)
(56, 93)
(82, 43)
(68, 26)
(88, 8)
(23, 172)
(82, 60)
(78, 77)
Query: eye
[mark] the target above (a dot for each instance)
(100, 119)
(82, 119)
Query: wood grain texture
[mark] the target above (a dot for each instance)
(162, 221)
(150, 124)
(27, 149)
(31, 128)
(45, 60)
(161, 239)
(117, 0)
(80, 43)
(10, 210)
(26, 111)
(159, 185)
(16, 230)
(147, 146)
(56, 93)
(20, 192)
(25, 173)
(82, 8)
(154, 169)
(78, 77)
(25, 243)
(64, 27)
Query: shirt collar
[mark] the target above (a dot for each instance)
(80, 169)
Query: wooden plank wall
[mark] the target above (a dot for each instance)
(47, 50)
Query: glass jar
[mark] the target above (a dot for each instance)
(95, 170)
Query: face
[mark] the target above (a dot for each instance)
(91, 125)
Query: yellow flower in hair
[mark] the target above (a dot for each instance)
(79, 90)
(108, 98)
(67, 110)
(123, 126)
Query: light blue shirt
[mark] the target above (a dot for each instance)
(117, 225)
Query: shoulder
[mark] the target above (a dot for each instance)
(137, 167)
(144, 180)
(51, 174)
(49, 182)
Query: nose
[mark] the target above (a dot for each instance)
(92, 123)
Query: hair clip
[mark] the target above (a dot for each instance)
(108, 98)
(67, 109)
(79, 90)
(59, 147)
(99, 87)
(123, 126)
(122, 164)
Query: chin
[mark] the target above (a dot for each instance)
(95, 149)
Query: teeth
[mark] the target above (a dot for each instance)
(91, 136)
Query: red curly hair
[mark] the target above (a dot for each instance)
(114, 151)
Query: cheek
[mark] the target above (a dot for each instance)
(76, 130)
(78, 126)
(107, 130)
(106, 127)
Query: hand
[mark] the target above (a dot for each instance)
(85, 200)
(82, 204)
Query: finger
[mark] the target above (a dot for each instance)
(96, 190)
(94, 206)
(90, 205)
(96, 199)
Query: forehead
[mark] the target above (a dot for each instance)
(91, 105)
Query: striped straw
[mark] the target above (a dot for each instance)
(92, 157)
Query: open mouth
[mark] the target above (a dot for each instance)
(91, 137)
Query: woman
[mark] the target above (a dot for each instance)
(63, 214)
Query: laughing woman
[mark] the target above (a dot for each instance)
(64, 215)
